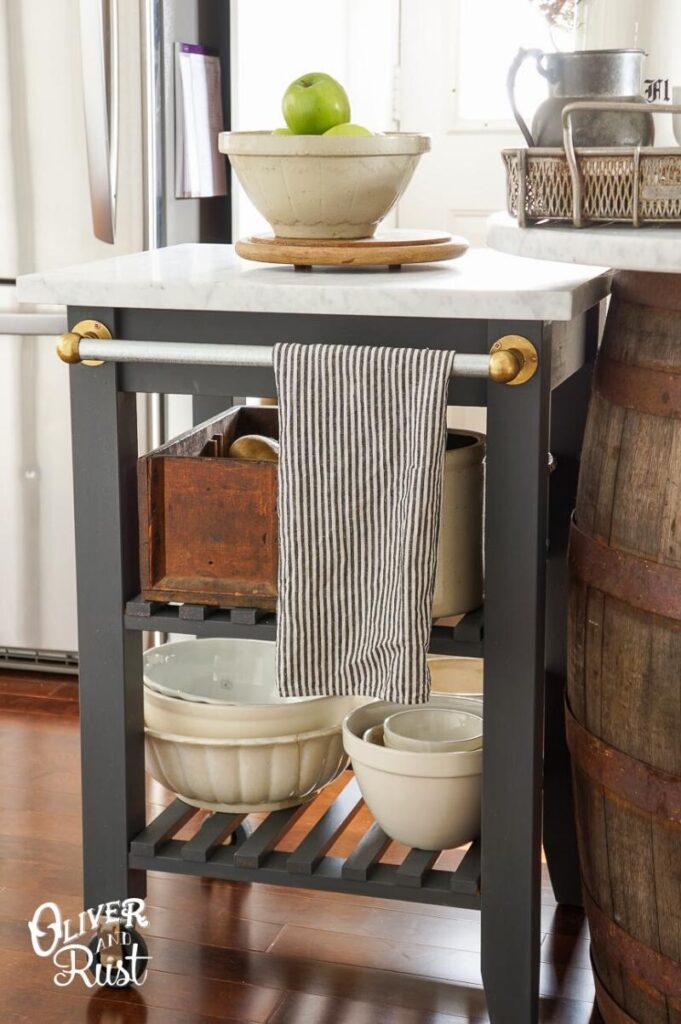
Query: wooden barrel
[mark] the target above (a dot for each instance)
(624, 676)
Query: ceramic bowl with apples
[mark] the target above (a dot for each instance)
(322, 175)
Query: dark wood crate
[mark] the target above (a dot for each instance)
(208, 524)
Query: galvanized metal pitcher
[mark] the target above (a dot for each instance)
(586, 75)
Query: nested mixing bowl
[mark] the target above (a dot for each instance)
(318, 186)
(246, 775)
(219, 736)
(428, 801)
(226, 689)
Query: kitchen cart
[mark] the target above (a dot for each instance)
(175, 317)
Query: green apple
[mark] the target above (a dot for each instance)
(348, 129)
(314, 103)
(282, 131)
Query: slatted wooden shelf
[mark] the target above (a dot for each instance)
(253, 857)
(200, 620)
(465, 638)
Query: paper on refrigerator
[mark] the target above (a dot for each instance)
(199, 166)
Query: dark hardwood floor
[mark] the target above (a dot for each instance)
(233, 952)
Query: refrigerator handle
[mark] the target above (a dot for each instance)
(32, 323)
(99, 55)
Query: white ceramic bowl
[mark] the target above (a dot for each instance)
(226, 689)
(374, 735)
(318, 186)
(427, 730)
(246, 775)
(427, 801)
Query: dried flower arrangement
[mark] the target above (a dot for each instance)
(558, 13)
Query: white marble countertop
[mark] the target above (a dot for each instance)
(620, 246)
(482, 284)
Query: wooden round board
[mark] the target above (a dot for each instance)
(388, 249)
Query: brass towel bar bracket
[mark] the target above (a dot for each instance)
(68, 346)
(512, 359)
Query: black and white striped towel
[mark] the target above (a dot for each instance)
(362, 442)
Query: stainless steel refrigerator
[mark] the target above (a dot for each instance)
(87, 169)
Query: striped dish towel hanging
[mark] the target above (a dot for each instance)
(362, 442)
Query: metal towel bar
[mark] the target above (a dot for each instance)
(512, 359)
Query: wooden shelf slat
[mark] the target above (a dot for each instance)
(195, 612)
(369, 849)
(415, 866)
(323, 835)
(212, 834)
(248, 616)
(466, 878)
(163, 828)
(252, 853)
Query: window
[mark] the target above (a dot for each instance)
(488, 40)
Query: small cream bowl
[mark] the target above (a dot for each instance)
(428, 730)
(374, 735)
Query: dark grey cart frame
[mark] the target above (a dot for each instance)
(523, 637)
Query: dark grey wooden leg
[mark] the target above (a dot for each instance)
(112, 726)
(515, 538)
(569, 405)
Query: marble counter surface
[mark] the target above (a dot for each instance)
(655, 248)
(482, 284)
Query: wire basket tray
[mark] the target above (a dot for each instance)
(635, 185)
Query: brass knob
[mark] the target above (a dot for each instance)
(68, 346)
(504, 366)
(513, 360)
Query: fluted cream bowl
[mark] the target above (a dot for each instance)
(427, 801)
(318, 186)
(225, 689)
(246, 775)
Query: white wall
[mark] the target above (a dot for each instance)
(274, 43)
(464, 44)
(653, 25)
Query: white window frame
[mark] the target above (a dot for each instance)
(469, 126)
(466, 125)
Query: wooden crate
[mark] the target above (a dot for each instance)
(208, 524)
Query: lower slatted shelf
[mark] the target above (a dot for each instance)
(221, 847)
(464, 637)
